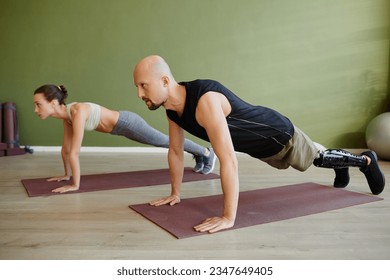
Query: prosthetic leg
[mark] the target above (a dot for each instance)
(337, 159)
(340, 160)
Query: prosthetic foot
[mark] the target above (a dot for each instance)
(342, 177)
(340, 160)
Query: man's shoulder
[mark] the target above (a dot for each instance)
(201, 86)
(200, 82)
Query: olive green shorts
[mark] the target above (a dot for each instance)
(299, 153)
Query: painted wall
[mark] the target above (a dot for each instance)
(323, 63)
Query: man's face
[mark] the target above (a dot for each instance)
(150, 88)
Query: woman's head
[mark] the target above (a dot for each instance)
(47, 98)
(52, 92)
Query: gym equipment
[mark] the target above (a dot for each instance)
(10, 130)
(378, 135)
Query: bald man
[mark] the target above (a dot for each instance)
(210, 111)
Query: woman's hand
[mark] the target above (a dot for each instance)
(171, 200)
(59, 179)
(67, 188)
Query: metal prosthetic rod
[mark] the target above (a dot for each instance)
(337, 158)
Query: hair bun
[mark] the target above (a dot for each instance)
(64, 91)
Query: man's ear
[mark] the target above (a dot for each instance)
(165, 80)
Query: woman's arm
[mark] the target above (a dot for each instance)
(66, 144)
(65, 153)
(73, 138)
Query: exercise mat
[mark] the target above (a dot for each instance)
(3, 147)
(110, 181)
(255, 207)
(10, 130)
(1, 123)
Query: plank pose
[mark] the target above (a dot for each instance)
(210, 111)
(49, 101)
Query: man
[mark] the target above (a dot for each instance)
(208, 110)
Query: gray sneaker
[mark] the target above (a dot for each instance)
(199, 163)
(209, 162)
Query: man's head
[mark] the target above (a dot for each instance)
(152, 78)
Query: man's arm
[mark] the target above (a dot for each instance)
(211, 113)
(176, 164)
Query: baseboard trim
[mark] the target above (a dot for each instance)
(104, 149)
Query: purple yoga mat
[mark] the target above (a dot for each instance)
(110, 181)
(255, 207)
(10, 127)
(1, 123)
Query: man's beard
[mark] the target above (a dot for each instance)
(153, 106)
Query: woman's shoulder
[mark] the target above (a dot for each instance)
(79, 105)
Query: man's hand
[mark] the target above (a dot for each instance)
(214, 224)
(171, 200)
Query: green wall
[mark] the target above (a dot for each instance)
(323, 63)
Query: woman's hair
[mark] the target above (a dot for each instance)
(52, 92)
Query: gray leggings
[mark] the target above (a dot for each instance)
(133, 127)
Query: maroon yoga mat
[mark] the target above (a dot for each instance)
(110, 181)
(3, 147)
(10, 130)
(1, 122)
(255, 207)
(10, 125)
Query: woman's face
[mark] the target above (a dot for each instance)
(42, 107)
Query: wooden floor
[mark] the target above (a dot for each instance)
(99, 225)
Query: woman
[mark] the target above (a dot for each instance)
(49, 101)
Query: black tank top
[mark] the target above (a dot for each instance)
(255, 130)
